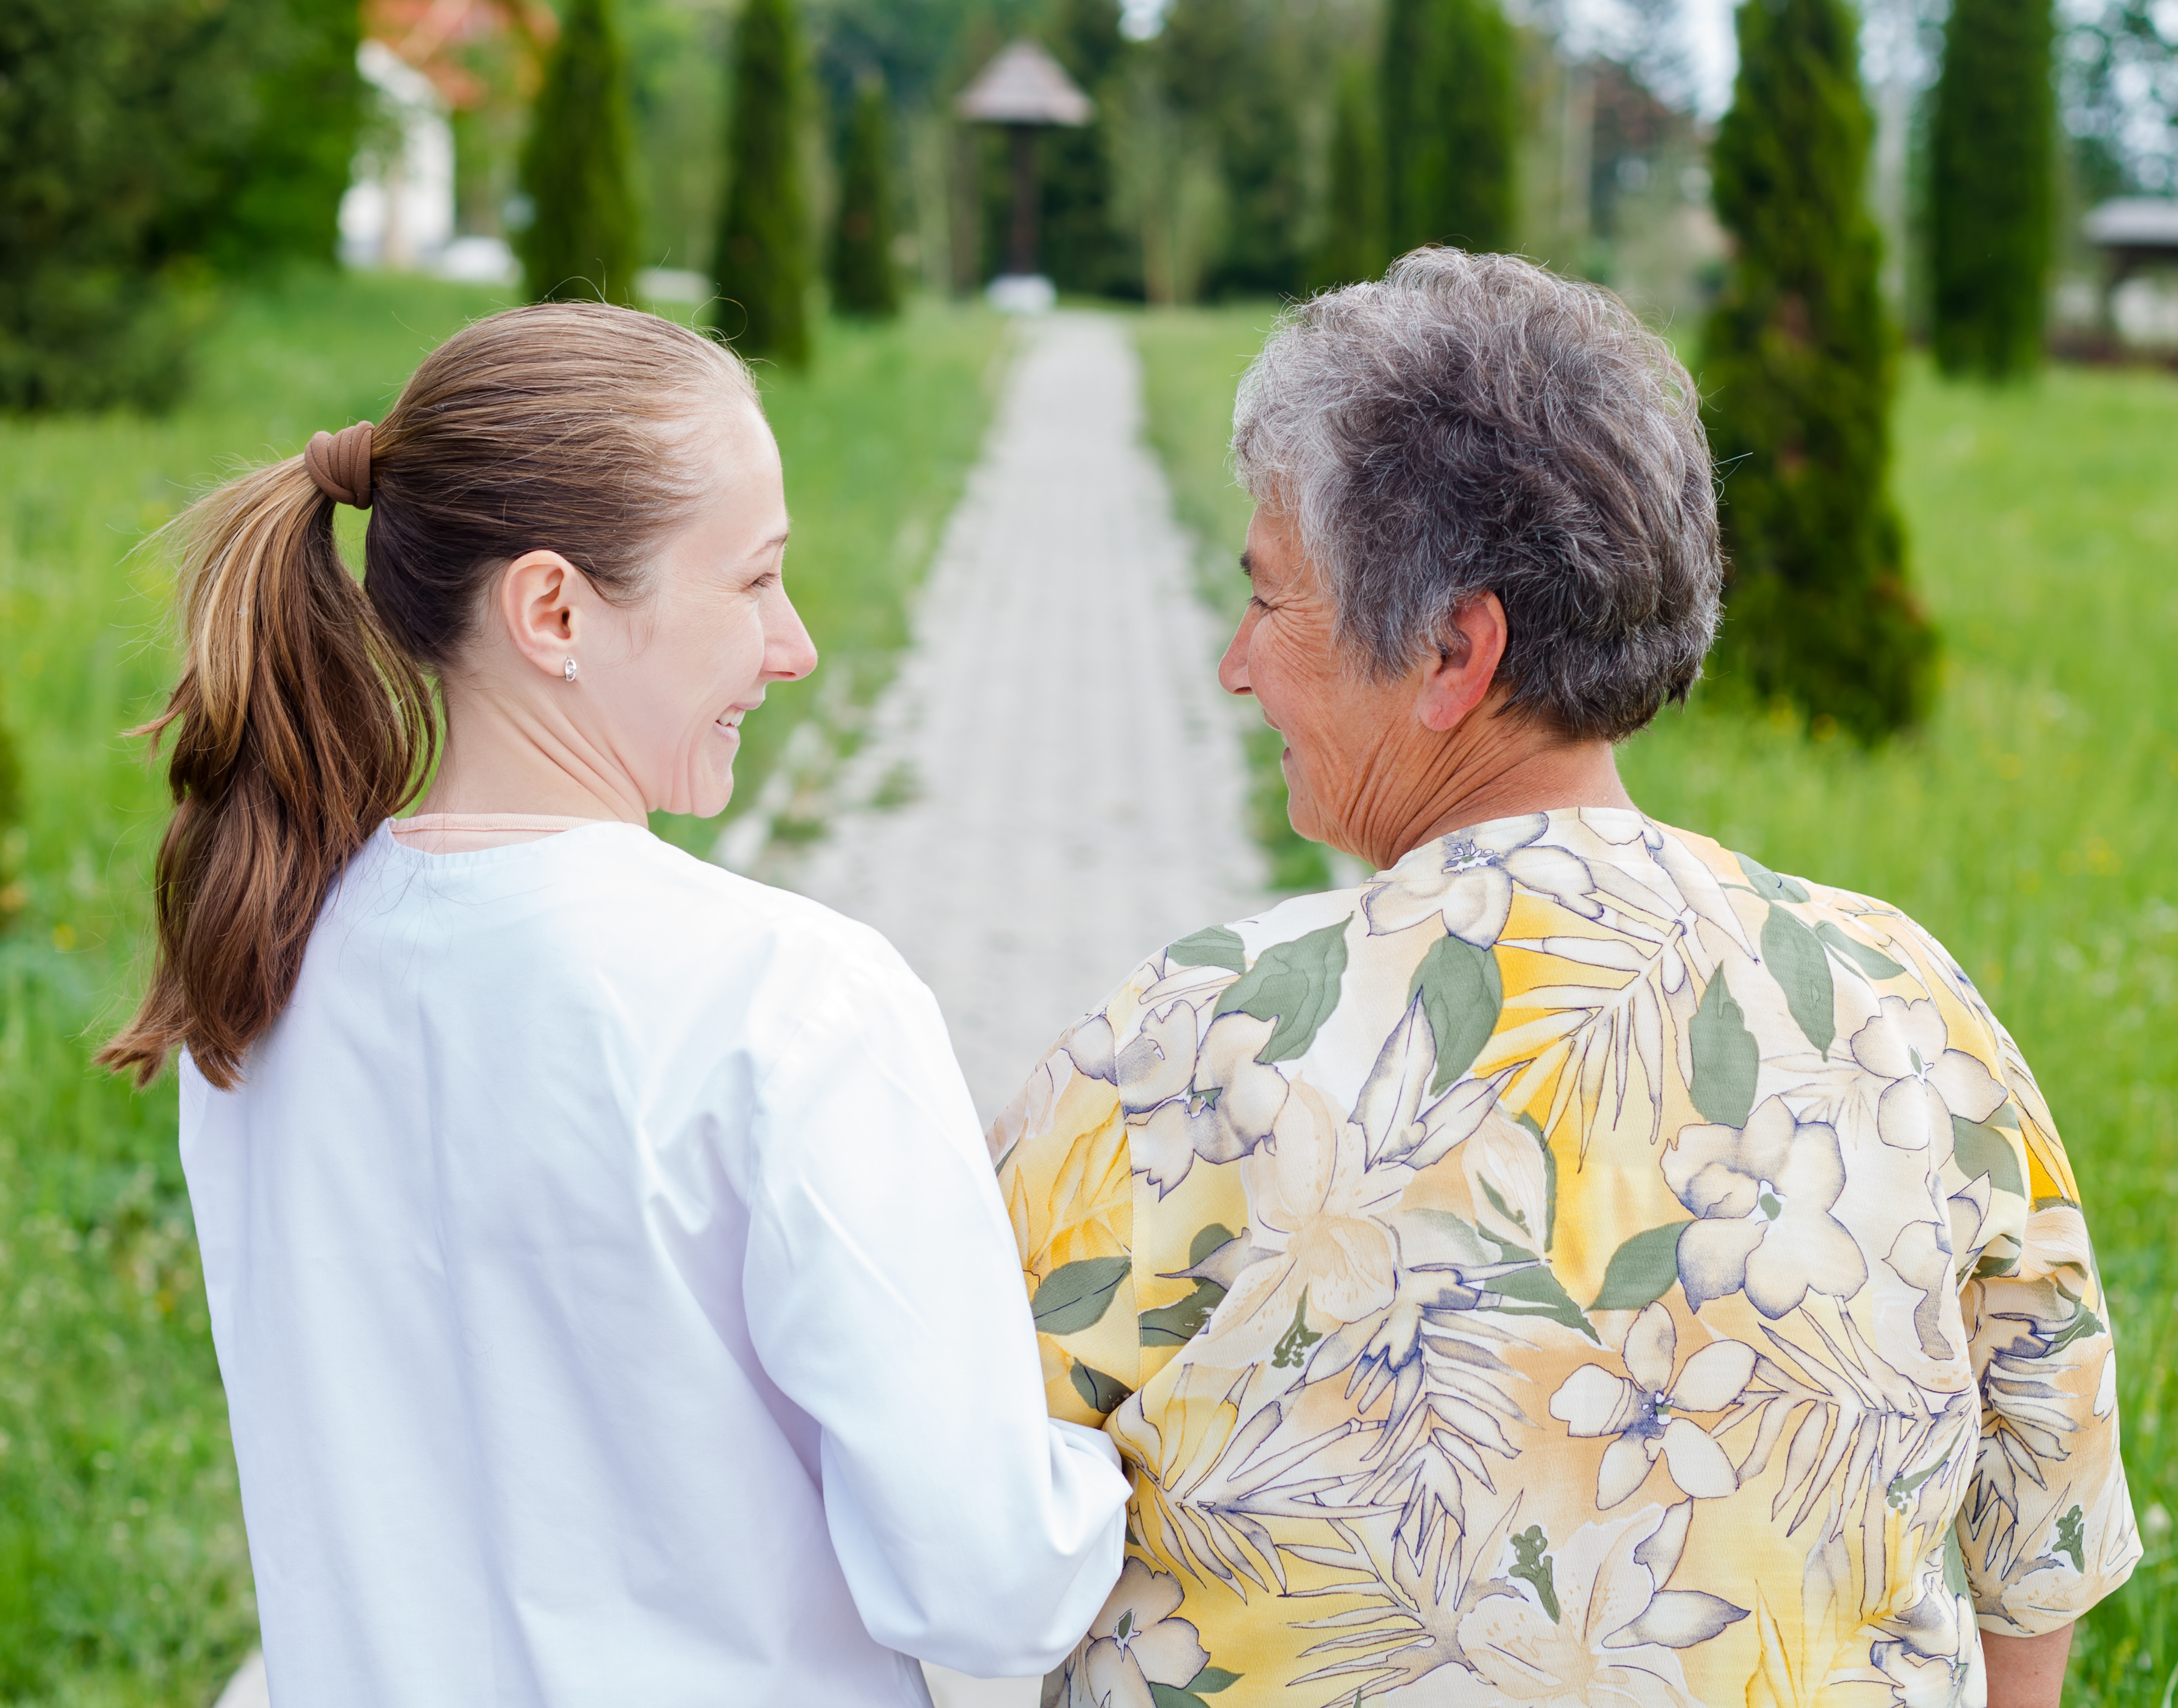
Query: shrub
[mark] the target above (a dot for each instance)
(114, 118)
(762, 263)
(1353, 236)
(1798, 369)
(1451, 118)
(1990, 148)
(862, 278)
(581, 241)
(281, 201)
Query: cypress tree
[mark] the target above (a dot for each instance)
(1798, 365)
(1990, 150)
(1081, 245)
(862, 278)
(1229, 71)
(1451, 117)
(1353, 240)
(763, 262)
(582, 240)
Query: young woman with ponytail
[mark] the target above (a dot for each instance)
(614, 1303)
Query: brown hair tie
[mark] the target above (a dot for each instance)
(340, 464)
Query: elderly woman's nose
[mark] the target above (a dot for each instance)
(1232, 668)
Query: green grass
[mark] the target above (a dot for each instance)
(2032, 826)
(124, 1577)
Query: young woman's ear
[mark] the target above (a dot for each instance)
(541, 600)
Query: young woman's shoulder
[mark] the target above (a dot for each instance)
(711, 923)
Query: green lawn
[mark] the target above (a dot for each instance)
(123, 1578)
(2030, 826)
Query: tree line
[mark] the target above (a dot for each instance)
(1246, 147)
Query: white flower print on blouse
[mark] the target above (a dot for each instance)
(1583, 1624)
(1642, 1413)
(1762, 1194)
(1906, 1043)
(1135, 1644)
(1319, 1214)
(1483, 866)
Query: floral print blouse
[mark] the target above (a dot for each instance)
(1579, 1267)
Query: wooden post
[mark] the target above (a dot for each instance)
(1020, 249)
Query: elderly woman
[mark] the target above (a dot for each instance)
(1577, 1266)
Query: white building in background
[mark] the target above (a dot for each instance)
(398, 211)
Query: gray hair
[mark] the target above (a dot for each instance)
(1474, 423)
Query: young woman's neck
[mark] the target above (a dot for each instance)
(516, 753)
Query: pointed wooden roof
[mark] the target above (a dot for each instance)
(1024, 85)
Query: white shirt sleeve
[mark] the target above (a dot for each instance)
(884, 1296)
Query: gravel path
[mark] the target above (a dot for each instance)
(1076, 774)
(1077, 777)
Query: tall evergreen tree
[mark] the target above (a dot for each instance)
(1991, 152)
(864, 282)
(1798, 363)
(1451, 118)
(1228, 71)
(1082, 248)
(1353, 237)
(582, 242)
(763, 261)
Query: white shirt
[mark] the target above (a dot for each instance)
(617, 1307)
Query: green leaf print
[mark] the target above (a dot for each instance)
(1462, 994)
(1642, 1270)
(1767, 883)
(1103, 1394)
(1292, 1350)
(1075, 1296)
(1210, 1680)
(2071, 1539)
(1955, 1565)
(1175, 1325)
(1873, 962)
(2084, 1325)
(1295, 984)
(1726, 1057)
(1218, 946)
(1539, 1290)
(1550, 1178)
(1983, 1148)
(1171, 1696)
(1796, 959)
(1531, 1563)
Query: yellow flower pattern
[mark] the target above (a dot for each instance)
(1579, 1266)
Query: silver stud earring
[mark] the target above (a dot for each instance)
(567, 670)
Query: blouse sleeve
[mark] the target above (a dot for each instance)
(883, 1299)
(2046, 1530)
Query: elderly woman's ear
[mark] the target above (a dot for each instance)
(1459, 678)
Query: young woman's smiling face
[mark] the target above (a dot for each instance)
(672, 675)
